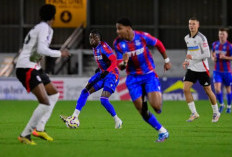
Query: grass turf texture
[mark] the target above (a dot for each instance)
(96, 135)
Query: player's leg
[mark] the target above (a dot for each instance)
(39, 112)
(109, 86)
(229, 98)
(189, 99)
(136, 91)
(106, 93)
(213, 100)
(90, 88)
(204, 80)
(30, 78)
(227, 80)
(53, 96)
(217, 79)
(189, 79)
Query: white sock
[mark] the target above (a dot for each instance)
(228, 106)
(192, 107)
(115, 118)
(38, 113)
(52, 100)
(215, 108)
(76, 113)
(221, 104)
(162, 130)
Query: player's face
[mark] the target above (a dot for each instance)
(223, 35)
(122, 31)
(94, 39)
(193, 25)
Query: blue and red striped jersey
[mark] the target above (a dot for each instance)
(222, 65)
(105, 58)
(140, 58)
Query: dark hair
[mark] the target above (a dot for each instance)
(47, 12)
(124, 21)
(194, 18)
(224, 29)
(96, 32)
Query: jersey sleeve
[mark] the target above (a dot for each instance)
(118, 52)
(152, 41)
(109, 53)
(213, 45)
(230, 49)
(205, 52)
(44, 42)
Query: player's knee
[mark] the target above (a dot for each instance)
(44, 101)
(217, 90)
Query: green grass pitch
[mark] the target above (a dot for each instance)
(96, 136)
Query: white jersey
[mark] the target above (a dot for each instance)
(198, 48)
(35, 45)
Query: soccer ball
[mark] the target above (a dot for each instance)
(72, 122)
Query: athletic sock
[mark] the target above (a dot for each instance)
(38, 113)
(105, 102)
(219, 97)
(215, 108)
(153, 122)
(229, 97)
(52, 100)
(192, 107)
(162, 130)
(116, 118)
(82, 99)
(76, 113)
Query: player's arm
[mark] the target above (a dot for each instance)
(213, 54)
(43, 45)
(162, 50)
(122, 59)
(223, 56)
(186, 61)
(152, 41)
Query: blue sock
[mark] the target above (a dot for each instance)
(105, 102)
(82, 99)
(153, 121)
(219, 97)
(229, 97)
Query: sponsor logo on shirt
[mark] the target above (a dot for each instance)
(136, 52)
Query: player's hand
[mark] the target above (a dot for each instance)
(189, 57)
(97, 70)
(167, 66)
(222, 56)
(103, 74)
(65, 53)
(125, 58)
(185, 64)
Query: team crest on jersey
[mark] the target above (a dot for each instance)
(123, 45)
(137, 42)
(98, 57)
(205, 44)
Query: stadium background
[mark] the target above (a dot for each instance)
(165, 19)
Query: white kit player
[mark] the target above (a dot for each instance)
(197, 69)
(33, 78)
